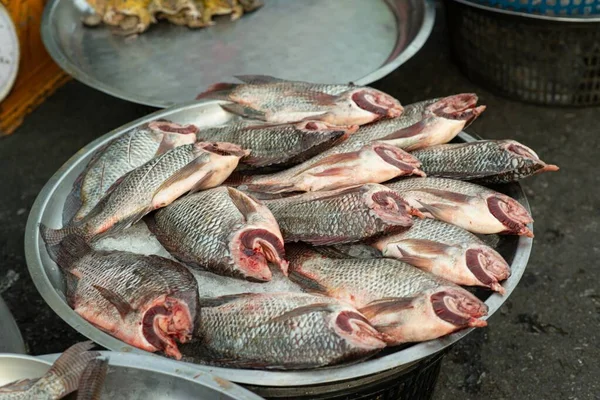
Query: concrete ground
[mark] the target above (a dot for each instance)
(542, 344)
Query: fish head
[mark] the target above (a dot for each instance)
(173, 134)
(405, 162)
(388, 205)
(487, 266)
(252, 249)
(356, 330)
(525, 160)
(458, 307)
(510, 213)
(376, 102)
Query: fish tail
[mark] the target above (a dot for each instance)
(219, 91)
(92, 380)
(69, 367)
(53, 237)
(71, 249)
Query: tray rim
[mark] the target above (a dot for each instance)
(403, 358)
(63, 62)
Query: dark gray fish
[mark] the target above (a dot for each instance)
(121, 155)
(223, 231)
(278, 101)
(62, 378)
(405, 303)
(281, 331)
(153, 185)
(486, 161)
(280, 144)
(341, 216)
(149, 302)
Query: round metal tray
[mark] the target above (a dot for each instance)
(11, 340)
(48, 279)
(312, 40)
(133, 376)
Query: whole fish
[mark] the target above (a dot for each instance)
(146, 301)
(448, 251)
(341, 216)
(120, 156)
(281, 144)
(275, 100)
(281, 331)
(153, 185)
(373, 163)
(401, 301)
(467, 205)
(486, 161)
(62, 378)
(223, 231)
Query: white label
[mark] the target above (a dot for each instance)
(9, 53)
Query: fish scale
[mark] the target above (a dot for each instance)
(441, 231)
(453, 185)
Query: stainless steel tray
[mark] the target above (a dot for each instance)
(48, 209)
(313, 40)
(11, 340)
(133, 376)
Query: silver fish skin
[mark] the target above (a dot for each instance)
(278, 144)
(61, 380)
(399, 300)
(149, 302)
(153, 185)
(223, 231)
(281, 101)
(281, 331)
(341, 216)
(121, 156)
(373, 163)
(485, 161)
(467, 205)
(447, 251)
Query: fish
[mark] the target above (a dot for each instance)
(153, 185)
(399, 300)
(484, 161)
(341, 216)
(467, 205)
(221, 230)
(373, 163)
(61, 379)
(121, 155)
(278, 144)
(148, 302)
(92, 380)
(279, 101)
(447, 251)
(281, 331)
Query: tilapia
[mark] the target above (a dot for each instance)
(153, 185)
(275, 100)
(223, 231)
(486, 161)
(281, 331)
(146, 301)
(92, 380)
(448, 251)
(399, 300)
(120, 156)
(341, 216)
(63, 377)
(278, 144)
(373, 163)
(467, 205)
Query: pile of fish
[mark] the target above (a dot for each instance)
(339, 188)
(128, 17)
(77, 369)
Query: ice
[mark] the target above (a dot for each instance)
(138, 239)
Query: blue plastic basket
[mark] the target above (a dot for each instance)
(547, 7)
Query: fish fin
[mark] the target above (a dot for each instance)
(243, 202)
(306, 282)
(244, 111)
(69, 367)
(185, 172)
(53, 237)
(332, 171)
(438, 208)
(331, 194)
(208, 302)
(258, 79)
(386, 305)
(122, 305)
(296, 312)
(447, 195)
(92, 380)
(420, 252)
(335, 159)
(71, 249)
(219, 90)
(199, 185)
(409, 131)
(271, 187)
